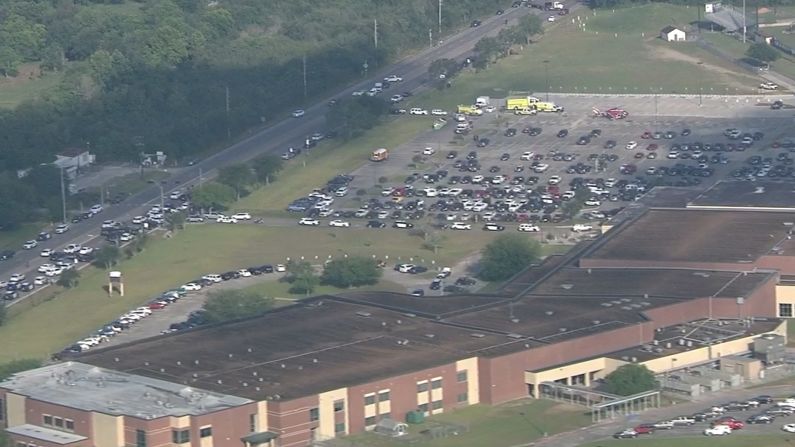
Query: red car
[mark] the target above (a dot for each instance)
(157, 305)
(732, 423)
(644, 429)
(651, 147)
(646, 135)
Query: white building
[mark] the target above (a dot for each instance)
(72, 160)
(673, 34)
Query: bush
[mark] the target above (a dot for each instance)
(506, 256)
(351, 272)
(630, 379)
(225, 305)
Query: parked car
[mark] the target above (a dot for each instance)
(718, 430)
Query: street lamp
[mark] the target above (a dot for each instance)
(546, 71)
(699, 63)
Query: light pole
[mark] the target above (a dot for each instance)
(162, 201)
(63, 197)
(546, 72)
(699, 63)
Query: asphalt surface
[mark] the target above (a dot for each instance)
(275, 139)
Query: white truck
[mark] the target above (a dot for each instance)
(482, 101)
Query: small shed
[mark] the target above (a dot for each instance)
(673, 34)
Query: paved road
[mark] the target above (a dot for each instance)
(275, 139)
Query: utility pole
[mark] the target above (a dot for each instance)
(440, 17)
(430, 37)
(744, 27)
(304, 63)
(162, 200)
(63, 197)
(228, 129)
(375, 33)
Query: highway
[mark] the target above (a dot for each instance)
(274, 139)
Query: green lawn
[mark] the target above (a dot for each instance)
(133, 183)
(735, 440)
(71, 314)
(516, 423)
(26, 86)
(775, 14)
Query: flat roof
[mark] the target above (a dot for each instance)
(93, 388)
(685, 235)
(661, 283)
(45, 434)
(728, 194)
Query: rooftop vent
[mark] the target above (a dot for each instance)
(549, 313)
(162, 370)
(563, 329)
(398, 321)
(595, 322)
(116, 359)
(257, 388)
(607, 304)
(759, 190)
(363, 314)
(527, 345)
(146, 363)
(383, 324)
(567, 286)
(477, 335)
(626, 307)
(410, 315)
(249, 350)
(219, 381)
(260, 379)
(430, 335)
(179, 363)
(626, 300)
(245, 384)
(195, 362)
(515, 335)
(314, 360)
(254, 373)
(230, 355)
(195, 376)
(283, 366)
(403, 342)
(514, 320)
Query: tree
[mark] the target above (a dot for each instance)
(236, 176)
(762, 52)
(302, 278)
(530, 25)
(15, 366)
(630, 379)
(107, 256)
(266, 168)
(175, 221)
(353, 271)
(69, 278)
(213, 195)
(225, 305)
(487, 48)
(506, 256)
(351, 116)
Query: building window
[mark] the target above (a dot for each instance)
(437, 404)
(423, 408)
(140, 438)
(422, 387)
(339, 428)
(339, 405)
(69, 424)
(785, 310)
(58, 422)
(383, 396)
(369, 421)
(436, 384)
(2, 410)
(461, 376)
(462, 398)
(48, 420)
(252, 423)
(369, 400)
(314, 414)
(180, 436)
(386, 416)
(205, 432)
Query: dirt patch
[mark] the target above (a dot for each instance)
(667, 53)
(26, 73)
(763, 10)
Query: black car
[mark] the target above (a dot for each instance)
(375, 224)
(475, 23)
(500, 12)
(418, 292)
(760, 419)
(6, 254)
(10, 295)
(596, 133)
(229, 275)
(505, 157)
(452, 154)
(465, 281)
(418, 269)
(43, 236)
(534, 131)
(763, 399)
(610, 144)
(685, 132)
(483, 142)
(583, 140)
(510, 132)
(267, 268)
(436, 284)
(777, 105)
(563, 133)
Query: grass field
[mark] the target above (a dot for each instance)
(506, 425)
(13, 240)
(168, 263)
(735, 440)
(27, 85)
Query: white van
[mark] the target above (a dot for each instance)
(482, 101)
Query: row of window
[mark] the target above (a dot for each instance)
(183, 436)
(370, 421)
(58, 422)
(785, 310)
(434, 385)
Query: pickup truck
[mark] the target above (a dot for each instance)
(683, 420)
(663, 425)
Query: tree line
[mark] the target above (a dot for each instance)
(142, 76)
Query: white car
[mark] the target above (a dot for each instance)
(428, 151)
(460, 226)
(438, 112)
(527, 156)
(143, 310)
(281, 268)
(54, 272)
(357, 93)
(528, 228)
(551, 19)
(718, 430)
(96, 209)
(61, 229)
(554, 180)
(125, 237)
(138, 220)
(298, 113)
(40, 280)
(631, 145)
(44, 268)
(29, 245)
(578, 228)
(72, 248)
(244, 273)
(768, 86)
(308, 221)
(396, 99)
(592, 202)
(241, 216)
(489, 109)
(393, 78)
(17, 277)
(418, 111)
(226, 219)
(86, 251)
(789, 428)
(191, 287)
(213, 277)
(339, 223)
